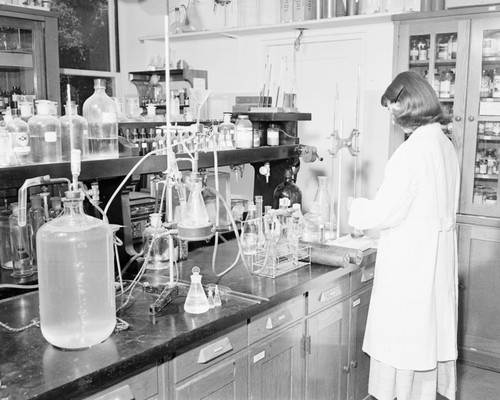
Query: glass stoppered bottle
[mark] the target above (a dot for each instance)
(226, 133)
(101, 113)
(156, 243)
(74, 133)
(19, 139)
(45, 135)
(196, 300)
(287, 189)
(76, 277)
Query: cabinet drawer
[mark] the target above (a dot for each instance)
(276, 319)
(210, 353)
(139, 387)
(322, 297)
(362, 277)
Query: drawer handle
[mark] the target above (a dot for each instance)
(214, 350)
(329, 294)
(273, 321)
(368, 275)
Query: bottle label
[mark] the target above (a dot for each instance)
(21, 139)
(108, 118)
(85, 132)
(51, 136)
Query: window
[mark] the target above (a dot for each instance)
(87, 46)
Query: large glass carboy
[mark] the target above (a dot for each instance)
(76, 277)
(101, 113)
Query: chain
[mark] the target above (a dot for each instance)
(34, 322)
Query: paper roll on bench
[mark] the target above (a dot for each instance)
(334, 255)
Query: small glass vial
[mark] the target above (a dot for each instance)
(244, 133)
(74, 133)
(196, 300)
(45, 135)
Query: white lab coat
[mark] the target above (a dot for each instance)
(412, 320)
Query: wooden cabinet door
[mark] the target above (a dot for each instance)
(327, 363)
(359, 362)
(226, 380)
(276, 366)
(479, 283)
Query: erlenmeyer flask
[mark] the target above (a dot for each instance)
(195, 222)
(192, 19)
(196, 300)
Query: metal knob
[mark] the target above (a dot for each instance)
(471, 118)
(354, 364)
(346, 369)
(458, 118)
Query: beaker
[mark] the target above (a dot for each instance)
(76, 277)
(194, 223)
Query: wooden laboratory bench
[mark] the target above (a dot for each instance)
(278, 342)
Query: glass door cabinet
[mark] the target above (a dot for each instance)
(29, 56)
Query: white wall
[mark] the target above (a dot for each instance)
(327, 59)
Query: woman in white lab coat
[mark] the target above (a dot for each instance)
(412, 321)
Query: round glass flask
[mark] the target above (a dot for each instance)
(76, 277)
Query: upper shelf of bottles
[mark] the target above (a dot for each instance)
(14, 177)
(234, 33)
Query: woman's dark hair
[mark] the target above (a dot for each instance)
(418, 103)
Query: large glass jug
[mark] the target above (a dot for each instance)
(101, 113)
(45, 135)
(76, 277)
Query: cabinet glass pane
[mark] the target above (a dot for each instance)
(488, 124)
(16, 65)
(434, 57)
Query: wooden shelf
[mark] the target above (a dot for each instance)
(234, 33)
(14, 177)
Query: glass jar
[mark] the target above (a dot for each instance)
(273, 135)
(20, 141)
(76, 277)
(74, 133)
(243, 132)
(45, 135)
(226, 133)
(101, 113)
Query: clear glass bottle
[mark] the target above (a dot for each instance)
(297, 221)
(76, 277)
(196, 300)
(243, 133)
(74, 133)
(45, 135)
(273, 135)
(5, 148)
(20, 245)
(36, 219)
(5, 243)
(101, 113)
(20, 140)
(226, 132)
(155, 243)
(313, 225)
(176, 26)
(322, 198)
(287, 189)
(250, 232)
(155, 93)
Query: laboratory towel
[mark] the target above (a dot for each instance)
(388, 383)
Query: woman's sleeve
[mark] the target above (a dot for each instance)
(394, 197)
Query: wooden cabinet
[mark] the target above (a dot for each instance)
(479, 284)
(29, 53)
(275, 366)
(358, 362)
(326, 362)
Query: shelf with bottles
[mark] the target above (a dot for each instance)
(184, 74)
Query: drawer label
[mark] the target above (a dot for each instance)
(259, 356)
(356, 303)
